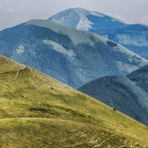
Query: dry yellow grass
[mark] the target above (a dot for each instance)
(38, 111)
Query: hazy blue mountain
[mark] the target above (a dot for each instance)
(87, 20)
(132, 36)
(127, 94)
(71, 56)
(140, 77)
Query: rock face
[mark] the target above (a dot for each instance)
(132, 36)
(71, 56)
(127, 94)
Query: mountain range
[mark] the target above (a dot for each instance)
(127, 94)
(71, 56)
(86, 50)
(38, 111)
(132, 36)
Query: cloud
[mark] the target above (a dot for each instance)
(9, 10)
(144, 20)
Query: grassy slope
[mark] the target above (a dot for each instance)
(38, 111)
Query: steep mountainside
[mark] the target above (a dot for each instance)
(71, 56)
(128, 94)
(122, 94)
(38, 111)
(132, 36)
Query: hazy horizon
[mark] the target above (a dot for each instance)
(15, 11)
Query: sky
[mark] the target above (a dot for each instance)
(13, 12)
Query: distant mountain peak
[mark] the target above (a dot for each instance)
(83, 19)
(132, 36)
(84, 11)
